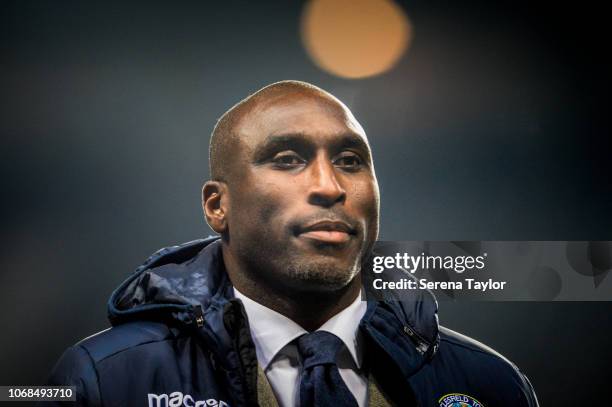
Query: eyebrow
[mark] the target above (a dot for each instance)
(301, 142)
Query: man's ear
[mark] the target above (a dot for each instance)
(214, 204)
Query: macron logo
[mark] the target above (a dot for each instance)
(178, 399)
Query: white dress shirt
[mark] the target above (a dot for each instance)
(273, 333)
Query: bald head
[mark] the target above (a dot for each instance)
(226, 136)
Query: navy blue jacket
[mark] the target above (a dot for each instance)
(178, 337)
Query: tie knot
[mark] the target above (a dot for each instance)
(318, 348)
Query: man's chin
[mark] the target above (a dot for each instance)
(322, 276)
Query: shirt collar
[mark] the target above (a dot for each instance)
(272, 331)
(345, 325)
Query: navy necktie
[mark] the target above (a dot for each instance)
(321, 384)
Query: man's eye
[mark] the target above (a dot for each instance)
(287, 160)
(348, 161)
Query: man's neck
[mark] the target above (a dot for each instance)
(310, 309)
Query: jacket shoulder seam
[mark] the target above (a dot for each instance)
(468, 347)
(484, 351)
(130, 347)
(95, 369)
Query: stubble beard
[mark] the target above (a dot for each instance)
(321, 275)
(277, 268)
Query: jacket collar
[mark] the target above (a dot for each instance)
(188, 284)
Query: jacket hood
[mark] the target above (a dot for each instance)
(187, 281)
(175, 282)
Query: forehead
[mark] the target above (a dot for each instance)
(322, 120)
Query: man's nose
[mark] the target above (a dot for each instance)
(325, 188)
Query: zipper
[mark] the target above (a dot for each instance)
(421, 344)
(199, 316)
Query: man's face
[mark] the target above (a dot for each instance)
(303, 207)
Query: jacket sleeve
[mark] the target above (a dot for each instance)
(532, 400)
(509, 386)
(76, 368)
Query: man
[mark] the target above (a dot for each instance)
(270, 313)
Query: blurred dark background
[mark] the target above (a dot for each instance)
(494, 125)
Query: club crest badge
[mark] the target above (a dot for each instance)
(458, 400)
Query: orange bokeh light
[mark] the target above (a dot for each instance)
(355, 38)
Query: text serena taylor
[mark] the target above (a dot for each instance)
(409, 284)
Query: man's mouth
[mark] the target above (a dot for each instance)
(332, 232)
